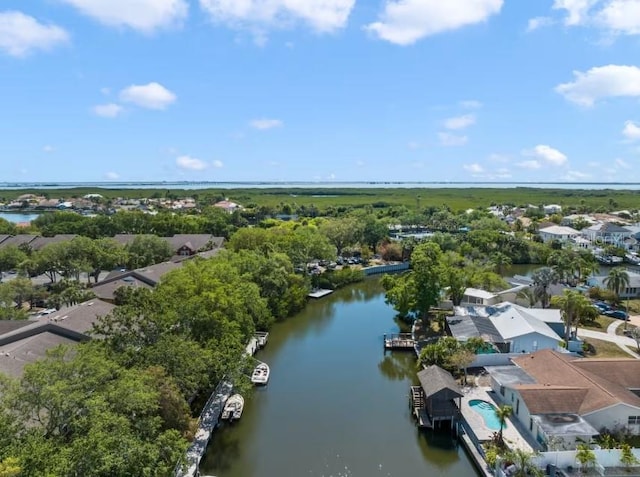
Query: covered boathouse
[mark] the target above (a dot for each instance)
(434, 400)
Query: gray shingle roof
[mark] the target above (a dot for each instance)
(434, 379)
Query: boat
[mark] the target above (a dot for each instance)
(260, 374)
(233, 408)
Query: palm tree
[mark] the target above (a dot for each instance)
(618, 281)
(543, 278)
(573, 306)
(503, 413)
(524, 462)
(500, 261)
(528, 294)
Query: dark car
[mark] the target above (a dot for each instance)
(621, 315)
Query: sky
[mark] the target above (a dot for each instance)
(320, 90)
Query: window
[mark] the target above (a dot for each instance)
(531, 424)
(518, 407)
(502, 390)
(634, 420)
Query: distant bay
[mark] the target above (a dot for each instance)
(17, 217)
(317, 185)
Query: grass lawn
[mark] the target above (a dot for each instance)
(634, 306)
(620, 329)
(604, 349)
(599, 324)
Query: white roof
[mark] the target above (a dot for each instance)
(559, 230)
(512, 321)
(476, 292)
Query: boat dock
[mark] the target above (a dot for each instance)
(419, 409)
(208, 421)
(258, 341)
(399, 341)
(321, 292)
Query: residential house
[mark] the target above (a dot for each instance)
(569, 220)
(146, 277)
(562, 398)
(607, 233)
(552, 209)
(228, 206)
(558, 233)
(18, 240)
(476, 296)
(190, 244)
(631, 291)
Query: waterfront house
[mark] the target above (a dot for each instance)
(631, 291)
(607, 233)
(557, 233)
(476, 296)
(440, 392)
(562, 399)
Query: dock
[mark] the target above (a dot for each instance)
(419, 409)
(399, 341)
(320, 293)
(258, 341)
(208, 421)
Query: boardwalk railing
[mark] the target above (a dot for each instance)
(207, 422)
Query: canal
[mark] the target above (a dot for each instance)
(336, 404)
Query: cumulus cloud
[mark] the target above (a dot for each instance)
(191, 163)
(150, 96)
(602, 82)
(450, 140)
(321, 15)
(112, 176)
(142, 15)
(474, 168)
(631, 131)
(264, 124)
(538, 22)
(22, 34)
(576, 10)
(404, 22)
(547, 154)
(530, 164)
(460, 122)
(110, 110)
(618, 17)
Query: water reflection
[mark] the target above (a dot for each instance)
(399, 365)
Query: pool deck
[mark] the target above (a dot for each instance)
(513, 434)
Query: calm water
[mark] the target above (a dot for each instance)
(17, 217)
(335, 405)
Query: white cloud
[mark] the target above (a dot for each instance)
(404, 22)
(190, 163)
(538, 22)
(622, 164)
(577, 10)
(48, 149)
(321, 15)
(218, 164)
(21, 34)
(602, 82)
(150, 96)
(548, 154)
(474, 168)
(112, 176)
(110, 110)
(471, 104)
(264, 124)
(530, 164)
(631, 131)
(142, 15)
(460, 122)
(576, 175)
(620, 16)
(448, 139)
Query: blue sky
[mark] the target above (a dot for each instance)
(320, 90)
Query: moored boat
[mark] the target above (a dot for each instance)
(233, 408)
(260, 374)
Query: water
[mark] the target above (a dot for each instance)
(336, 404)
(18, 217)
(320, 185)
(488, 413)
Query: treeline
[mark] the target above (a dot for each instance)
(119, 405)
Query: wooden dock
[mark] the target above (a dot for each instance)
(319, 293)
(400, 341)
(419, 409)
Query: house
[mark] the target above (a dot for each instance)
(559, 397)
(558, 233)
(440, 391)
(147, 277)
(569, 220)
(24, 342)
(190, 244)
(552, 209)
(228, 206)
(508, 327)
(18, 240)
(475, 296)
(631, 291)
(607, 233)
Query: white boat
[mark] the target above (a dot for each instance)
(260, 374)
(233, 408)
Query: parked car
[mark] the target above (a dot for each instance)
(602, 306)
(621, 315)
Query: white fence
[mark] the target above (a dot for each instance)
(564, 459)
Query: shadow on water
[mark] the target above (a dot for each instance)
(398, 366)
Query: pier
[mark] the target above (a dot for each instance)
(208, 421)
(400, 341)
(319, 293)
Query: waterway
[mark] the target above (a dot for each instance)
(336, 404)
(17, 217)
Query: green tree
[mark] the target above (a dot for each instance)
(426, 274)
(573, 305)
(617, 281)
(342, 232)
(500, 262)
(543, 278)
(503, 413)
(147, 250)
(524, 462)
(10, 258)
(585, 457)
(528, 294)
(627, 458)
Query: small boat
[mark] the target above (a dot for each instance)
(260, 374)
(233, 408)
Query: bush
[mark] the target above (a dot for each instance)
(339, 278)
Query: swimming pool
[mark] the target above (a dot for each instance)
(488, 413)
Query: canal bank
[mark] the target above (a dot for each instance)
(336, 404)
